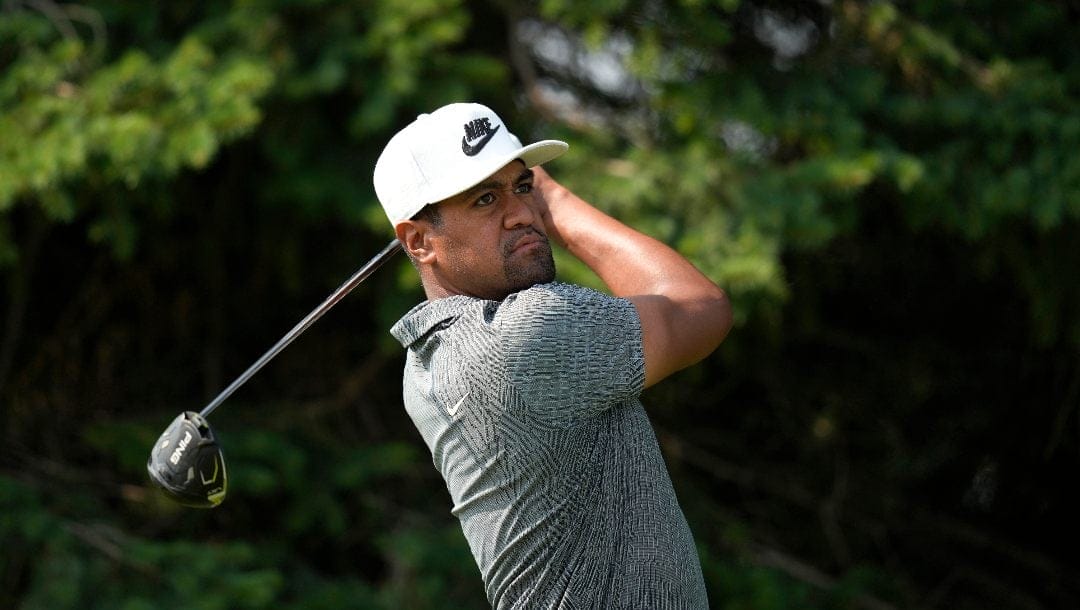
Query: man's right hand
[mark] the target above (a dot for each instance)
(549, 193)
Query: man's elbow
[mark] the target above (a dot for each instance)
(679, 336)
(722, 315)
(713, 323)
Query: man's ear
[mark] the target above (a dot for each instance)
(415, 237)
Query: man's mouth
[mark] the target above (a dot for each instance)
(528, 242)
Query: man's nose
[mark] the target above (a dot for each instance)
(518, 212)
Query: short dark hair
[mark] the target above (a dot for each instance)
(430, 213)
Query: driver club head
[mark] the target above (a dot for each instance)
(187, 464)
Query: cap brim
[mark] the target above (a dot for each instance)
(541, 152)
(532, 155)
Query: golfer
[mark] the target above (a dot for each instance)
(526, 390)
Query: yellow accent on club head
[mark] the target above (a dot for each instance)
(212, 478)
(218, 496)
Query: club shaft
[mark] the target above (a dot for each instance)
(389, 251)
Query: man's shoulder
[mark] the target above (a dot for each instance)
(570, 351)
(556, 307)
(555, 295)
(537, 308)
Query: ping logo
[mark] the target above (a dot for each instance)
(477, 128)
(180, 447)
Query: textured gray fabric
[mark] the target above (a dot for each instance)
(530, 409)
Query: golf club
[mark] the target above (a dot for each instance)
(186, 461)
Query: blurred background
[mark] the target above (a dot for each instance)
(889, 191)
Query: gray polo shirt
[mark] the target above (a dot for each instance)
(530, 409)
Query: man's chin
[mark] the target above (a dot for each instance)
(540, 270)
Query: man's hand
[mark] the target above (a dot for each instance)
(549, 193)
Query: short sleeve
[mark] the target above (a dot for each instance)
(571, 351)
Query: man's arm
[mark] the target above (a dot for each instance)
(684, 315)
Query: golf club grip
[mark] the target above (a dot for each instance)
(389, 251)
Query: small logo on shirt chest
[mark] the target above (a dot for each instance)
(452, 411)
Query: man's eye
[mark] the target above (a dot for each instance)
(486, 199)
(523, 188)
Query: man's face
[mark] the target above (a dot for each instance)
(490, 240)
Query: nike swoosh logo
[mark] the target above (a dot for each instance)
(212, 478)
(457, 405)
(475, 149)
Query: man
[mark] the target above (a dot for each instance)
(526, 390)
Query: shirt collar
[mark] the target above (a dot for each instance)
(426, 316)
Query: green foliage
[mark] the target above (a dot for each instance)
(67, 122)
(333, 501)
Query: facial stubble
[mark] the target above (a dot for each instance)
(528, 269)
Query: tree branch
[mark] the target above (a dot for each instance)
(20, 294)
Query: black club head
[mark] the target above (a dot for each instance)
(186, 462)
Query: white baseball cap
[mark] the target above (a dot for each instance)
(447, 152)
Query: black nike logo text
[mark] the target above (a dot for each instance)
(476, 129)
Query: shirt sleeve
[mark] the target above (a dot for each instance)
(571, 351)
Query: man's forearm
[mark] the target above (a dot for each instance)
(629, 262)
